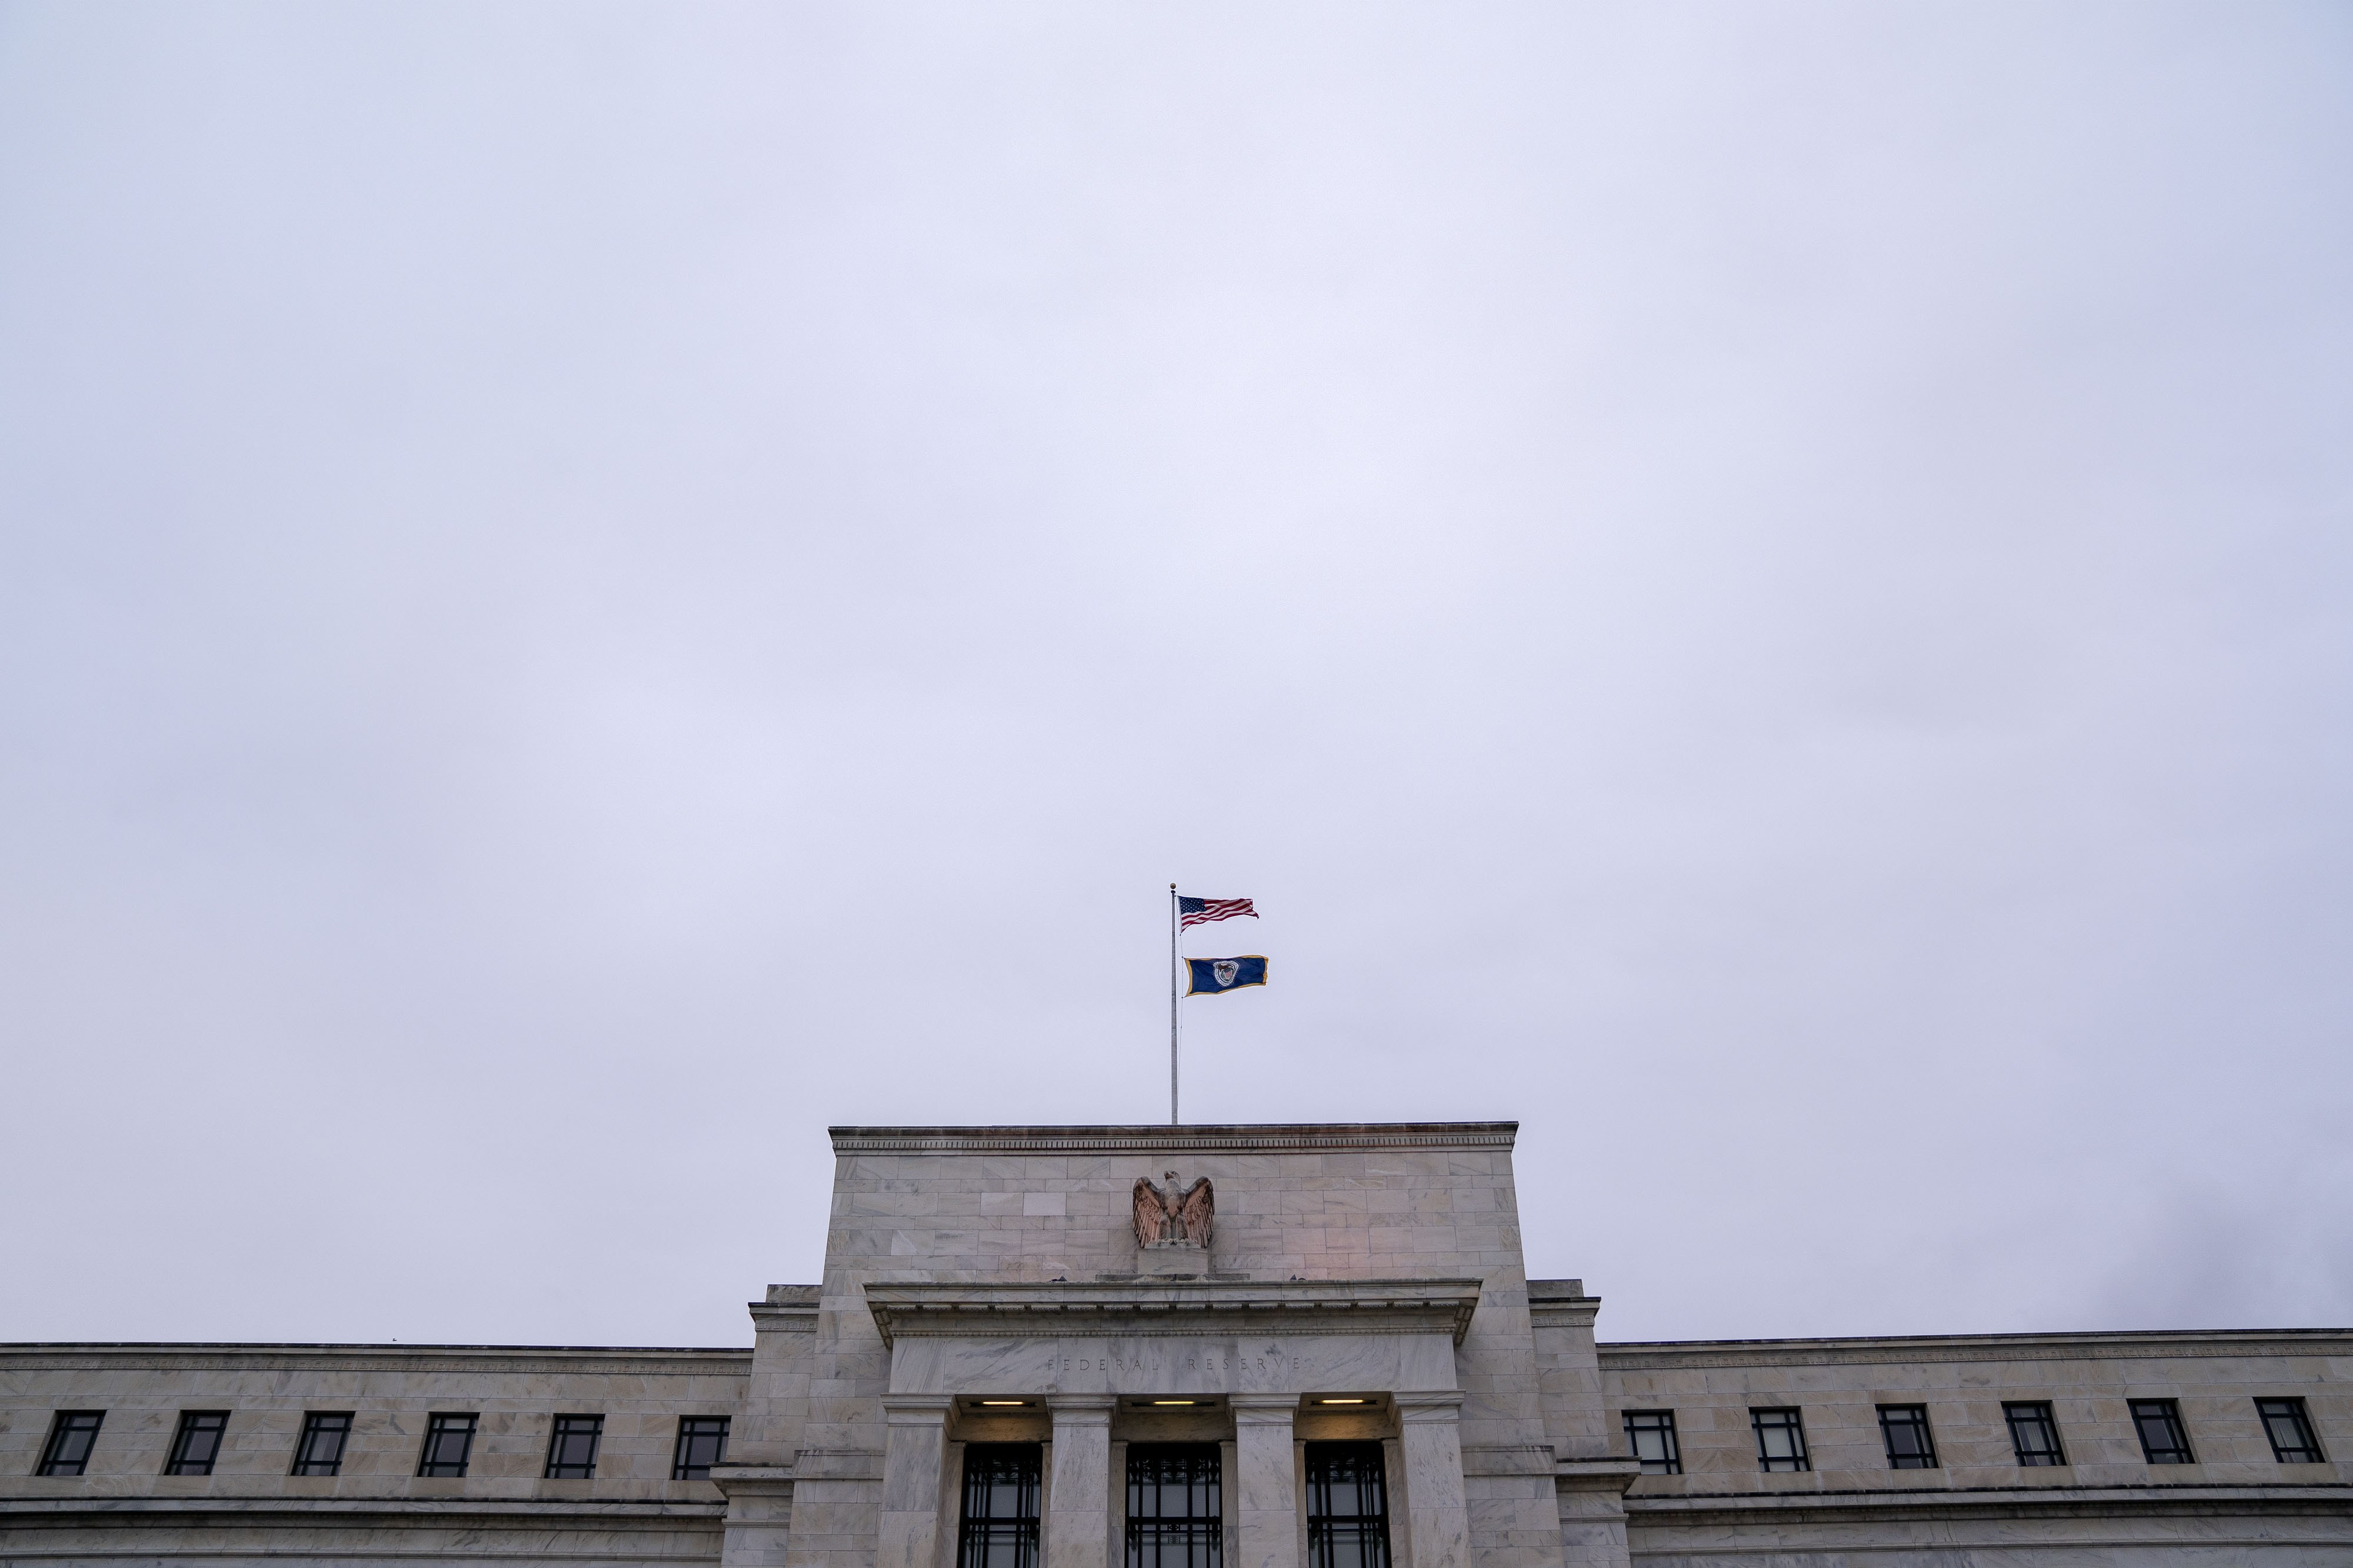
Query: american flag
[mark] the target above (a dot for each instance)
(1200, 912)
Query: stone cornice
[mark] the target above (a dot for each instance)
(1276, 1138)
(1561, 1303)
(1920, 1349)
(752, 1481)
(631, 1360)
(1285, 1306)
(1595, 1475)
(1715, 1511)
(787, 1309)
(538, 1513)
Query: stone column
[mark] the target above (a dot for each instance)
(1264, 1486)
(1078, 1504)
(914, 1442)
(1437, 1520)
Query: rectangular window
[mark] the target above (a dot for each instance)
(2033, 1434)
(2158, 1422)
(196, 1443)
(999, 1528)
(1906, 1429)
(1347, 1505)
(448, 1444)
(1780, 1439)
(1650, 1436)
(1175, 1510)
(2285, 1424)
(572, 1448)
(702, 1443)
(320, 1450)
(73, 1434)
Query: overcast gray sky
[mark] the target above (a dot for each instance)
(587, 590)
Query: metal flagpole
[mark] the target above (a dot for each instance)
(1172, 1004)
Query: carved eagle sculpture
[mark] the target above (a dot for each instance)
(1171, 1214)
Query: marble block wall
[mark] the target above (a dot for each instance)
(2087, 1379)
(2237, 1506)
(378, 1508)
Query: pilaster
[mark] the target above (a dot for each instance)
(1569, 1369)
(759, 1513)
(1592, 1495)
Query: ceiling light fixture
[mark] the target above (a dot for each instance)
(1339, 1402)
(1015, 1403)
(1175, 1402)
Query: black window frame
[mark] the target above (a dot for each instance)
(2168, 1411)
(987, 1537)
(1782, 1465)
(195, 1425)
(2306, 1450)
(64, 1425)
(1907, 1423)
(442, 1423)
(318, 1425)
(564, 1431)
(1359, 1539)
(691, 1430)
(2021, 1415)
(1659, 1424)
(1176, 1506)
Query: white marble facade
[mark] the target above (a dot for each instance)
(1361, 1283)
(1375, 1265)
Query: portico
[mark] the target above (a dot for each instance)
(1319, 1348)
(1260, 1369)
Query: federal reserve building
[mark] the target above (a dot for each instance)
(1189, 1347)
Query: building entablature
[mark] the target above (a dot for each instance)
(1060, 1310)
(1287, 1338)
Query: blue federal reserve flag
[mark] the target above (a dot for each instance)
(1211, 975)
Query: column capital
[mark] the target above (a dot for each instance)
(911, 1408)
(1080, 1408)
(1429, 1404)
(1265, 1409)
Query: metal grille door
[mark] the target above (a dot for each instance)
(999, 1528)
(1175, 1506)
(1347, 1505)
